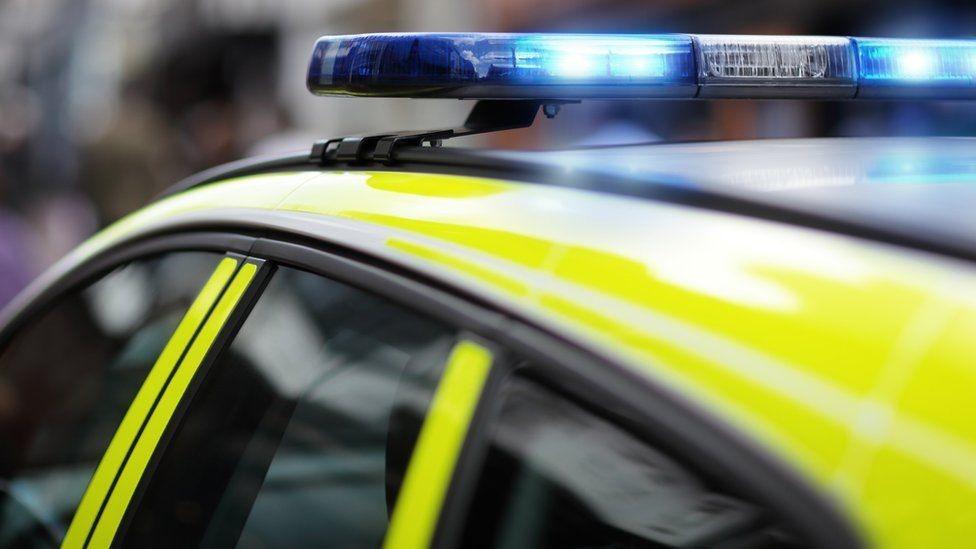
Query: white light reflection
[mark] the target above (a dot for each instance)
(916, 64)
(573, 65)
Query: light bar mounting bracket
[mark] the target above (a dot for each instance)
(488, 115)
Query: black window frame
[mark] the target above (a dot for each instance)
(49, 292)
(39, 298)
(558, 361)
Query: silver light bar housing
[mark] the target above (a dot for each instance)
(775, 66)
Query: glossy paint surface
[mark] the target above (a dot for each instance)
(851, 360)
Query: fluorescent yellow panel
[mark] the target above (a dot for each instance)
(260, 192)
(918, 460)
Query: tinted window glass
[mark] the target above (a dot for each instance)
(68, 376)
(300, 433)
(558, 475)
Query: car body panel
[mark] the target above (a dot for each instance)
(918, 188)
(832, 352)
(775, 165)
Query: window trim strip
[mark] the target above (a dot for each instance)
(428, 477)
(102, 534)
(108, 469)
(135, 467)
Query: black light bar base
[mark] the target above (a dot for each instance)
(488, 115)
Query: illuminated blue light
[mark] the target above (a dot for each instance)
(916, 64)
(916, 68)
(906, 167)
(569, 66)
(588, 66)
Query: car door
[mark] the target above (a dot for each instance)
(558, 471)
(70, 366)
(317, 401)
(312, 396)
(564, 455)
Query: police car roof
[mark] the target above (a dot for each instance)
(914, 192)
(919, 188)
(910, 192)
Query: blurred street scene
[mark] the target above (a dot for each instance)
(105, 103)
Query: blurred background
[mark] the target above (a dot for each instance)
(105, 103)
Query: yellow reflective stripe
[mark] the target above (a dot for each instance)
(132, 472)
(134, 418)
(438, 447)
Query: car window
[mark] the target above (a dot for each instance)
(302, 429)
(66, 379)
(559, 475)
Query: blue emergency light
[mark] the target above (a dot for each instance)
(588, 66)
(916, 68)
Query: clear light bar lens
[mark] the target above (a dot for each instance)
(504, 65)
(903, 67)
(799, 66)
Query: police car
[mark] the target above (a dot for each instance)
(387, 343)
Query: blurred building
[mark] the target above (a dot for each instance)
(103, 103)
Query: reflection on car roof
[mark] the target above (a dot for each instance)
(783, 164)
(913, 186)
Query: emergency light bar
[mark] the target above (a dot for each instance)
(588, 66)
